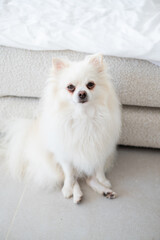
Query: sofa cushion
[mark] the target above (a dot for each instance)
(140, 125)
(24, 72)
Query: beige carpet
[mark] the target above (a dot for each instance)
(28, 214)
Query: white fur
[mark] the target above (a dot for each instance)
(68, 139)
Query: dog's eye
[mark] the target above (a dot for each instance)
(71, 88)
(90, 85)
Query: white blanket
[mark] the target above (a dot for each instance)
(122, 28)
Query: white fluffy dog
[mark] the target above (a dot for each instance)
(75, 134)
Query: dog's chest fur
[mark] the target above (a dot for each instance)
(81, 138)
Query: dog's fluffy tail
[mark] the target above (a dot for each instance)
(13, 136)
(21, 148)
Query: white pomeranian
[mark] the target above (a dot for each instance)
(75, 134)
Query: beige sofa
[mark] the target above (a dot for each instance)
(23, 74)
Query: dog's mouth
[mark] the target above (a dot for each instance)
(83, 101)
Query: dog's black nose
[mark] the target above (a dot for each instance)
(82, 95)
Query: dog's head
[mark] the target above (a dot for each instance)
(81, 83)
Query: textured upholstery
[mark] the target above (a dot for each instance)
(141, 126)
(24, 72)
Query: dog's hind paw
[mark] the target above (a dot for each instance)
(110, 194)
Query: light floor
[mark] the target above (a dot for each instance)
(30, 214)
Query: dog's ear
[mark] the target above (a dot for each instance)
(59, 64)
(97, 61)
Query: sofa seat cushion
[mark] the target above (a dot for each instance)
(141, 125)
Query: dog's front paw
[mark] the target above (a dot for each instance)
(77, 198)
(110, 194)
(67, 191)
